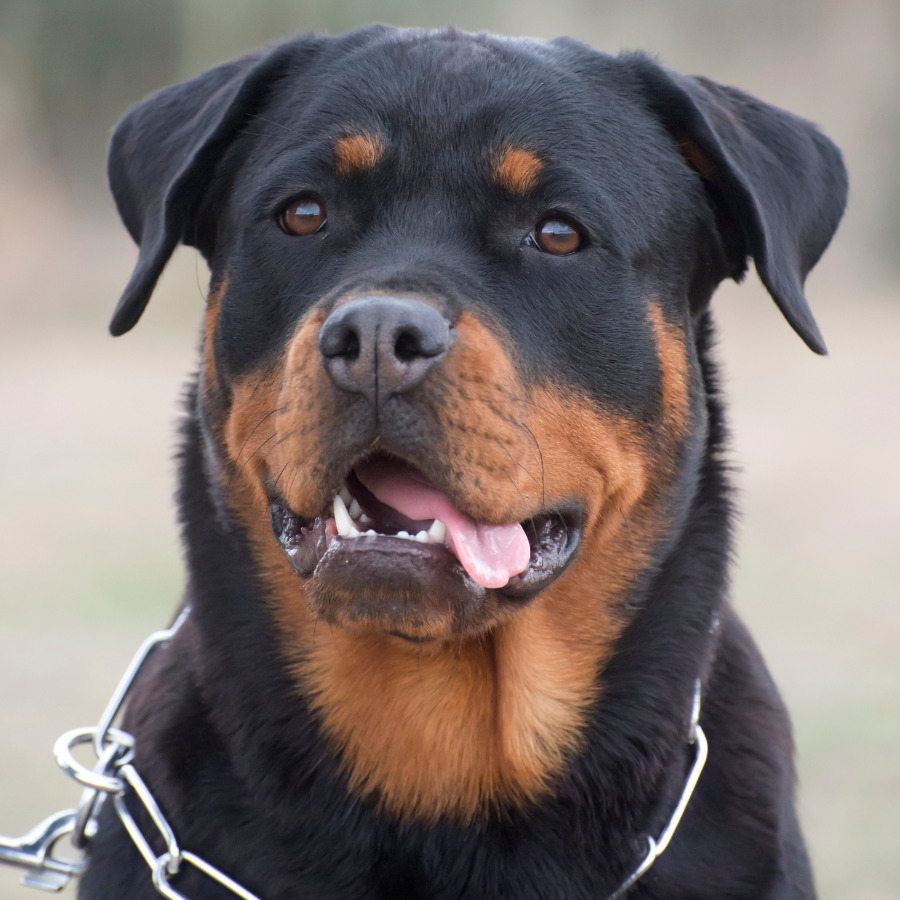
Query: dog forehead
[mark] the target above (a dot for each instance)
(439, 88)
(434, 65)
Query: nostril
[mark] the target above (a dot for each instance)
(426, 337)
(339, 341)
(350, 347)
(408, 345)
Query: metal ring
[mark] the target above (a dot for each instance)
(92, 799)
(99, 781)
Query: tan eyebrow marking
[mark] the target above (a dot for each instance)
(516, 169)
(356, 153)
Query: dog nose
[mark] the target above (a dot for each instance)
(381, 346)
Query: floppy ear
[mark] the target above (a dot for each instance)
(778, 185)
(163, 155)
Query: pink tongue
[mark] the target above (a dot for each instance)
(491, 554)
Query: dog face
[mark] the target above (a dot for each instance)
(449, 387)
(518, 397)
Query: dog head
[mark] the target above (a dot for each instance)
(455, 287)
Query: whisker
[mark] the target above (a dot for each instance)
(521, 497)
(271, 412)
(537, 447)
(516, 463)
(283, 468)
(290, 487)
(250, 457)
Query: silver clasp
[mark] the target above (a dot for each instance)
(36, 852)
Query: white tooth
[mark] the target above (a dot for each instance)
(422, 537)
(342, 519)
(364, 519)
(354, 532)
(438, 532)
(345, 495)
(403, 534)
(372, 532)
(354, 508)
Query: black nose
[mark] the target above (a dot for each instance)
(381, 346)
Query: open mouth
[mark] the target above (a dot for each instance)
(393, 521)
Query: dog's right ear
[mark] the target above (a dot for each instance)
(777, 184)
(163, 154)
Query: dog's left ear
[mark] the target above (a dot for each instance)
(163, 156)
(777, 184)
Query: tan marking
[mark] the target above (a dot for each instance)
(209, 385)
(673, 366)
(476, 721)
(357, 153)
(696, 159)
(517, 170)
(274, 428)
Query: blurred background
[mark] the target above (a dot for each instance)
(89, 557)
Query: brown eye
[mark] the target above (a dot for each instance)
(557, 236)
(304, 216)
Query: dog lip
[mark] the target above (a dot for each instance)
(555, 538)
(313, 547)
(303, 539)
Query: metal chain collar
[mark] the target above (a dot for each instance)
(109, 779)
(113, 774)
(697, 739)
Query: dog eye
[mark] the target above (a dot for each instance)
(302, 216)
(556, 236)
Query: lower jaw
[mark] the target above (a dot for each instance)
(416, 592)
(419, 593)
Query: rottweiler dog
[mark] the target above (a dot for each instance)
(452, 491)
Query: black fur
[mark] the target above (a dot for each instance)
(231, 751)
